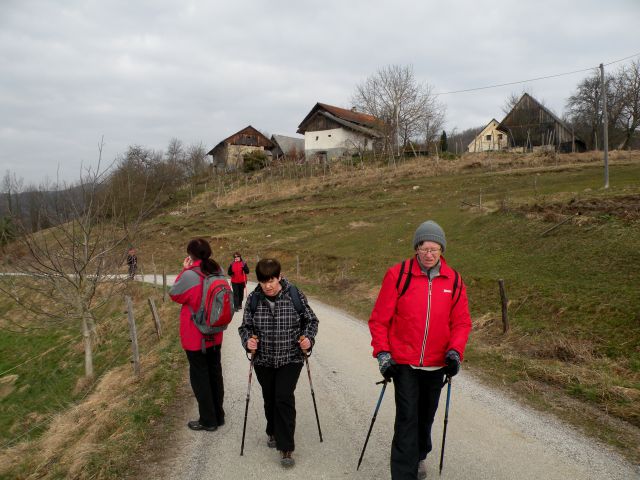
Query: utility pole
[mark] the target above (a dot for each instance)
(605, 128)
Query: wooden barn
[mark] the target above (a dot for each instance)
(228, 154)
(531, 126)
(331, 132)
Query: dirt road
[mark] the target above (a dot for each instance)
(489, 436)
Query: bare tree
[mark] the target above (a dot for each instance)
(627, 89)
(72, 264)
(407, 109)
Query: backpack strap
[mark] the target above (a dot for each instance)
(457, 288)
(400, 275)
(408, 280)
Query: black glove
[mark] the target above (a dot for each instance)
(452, 360)
(387, 365)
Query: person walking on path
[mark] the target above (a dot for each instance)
(205, 369)
(278, 324)
(132, 262)
(238, 270)
(419, 328)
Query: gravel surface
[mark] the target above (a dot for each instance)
(489, 435)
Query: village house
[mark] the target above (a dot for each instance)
(531, 126)
(331, 132)
(490, 138)
(229, 153)
(287, 147)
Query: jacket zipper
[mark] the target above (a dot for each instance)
(426, 327)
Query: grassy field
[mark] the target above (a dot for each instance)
(54, 423)
(574, 302)
(573, 347)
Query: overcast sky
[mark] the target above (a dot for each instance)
(143, 72)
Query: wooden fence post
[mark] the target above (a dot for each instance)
(297, 266)
(156, 317)
(164, 285)
(504, 301)
(134, 337)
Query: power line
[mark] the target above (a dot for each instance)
(535, 79)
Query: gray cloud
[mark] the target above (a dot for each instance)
(144, 72)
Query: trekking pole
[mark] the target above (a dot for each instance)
(246, 408)
(446, 419)
(313, 395)
(373, 420)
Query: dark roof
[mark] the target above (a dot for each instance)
(287, 144)
(539, 105)
(351, 116)
(241, 138)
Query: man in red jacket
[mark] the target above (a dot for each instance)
(419, 328)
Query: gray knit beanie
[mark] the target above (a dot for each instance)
(429, 231)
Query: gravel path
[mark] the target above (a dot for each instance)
(489, 436)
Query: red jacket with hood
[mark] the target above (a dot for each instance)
(187, 290)
(421, 326)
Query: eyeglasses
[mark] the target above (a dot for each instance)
(426, 251)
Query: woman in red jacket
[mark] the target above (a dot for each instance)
(205, 369)
(238, 272)
(419, 329)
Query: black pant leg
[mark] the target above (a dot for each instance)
(266, 377)
(216, 381)
(199, 376)
(430, 388)
(285, 406)
(404, 448)
(238, 294)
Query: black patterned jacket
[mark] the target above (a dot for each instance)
(278, 332)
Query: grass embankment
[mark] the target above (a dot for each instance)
(54, 423)
(574, 303)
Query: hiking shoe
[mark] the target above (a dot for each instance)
(286, 460)
(196, 425)
(271, 441)
(422, 470)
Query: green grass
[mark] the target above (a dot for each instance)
(577, 326)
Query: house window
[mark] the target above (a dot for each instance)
(329, 135)
(488, 137)
(317, 138)
(499, 136)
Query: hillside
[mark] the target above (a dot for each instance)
(574, 308)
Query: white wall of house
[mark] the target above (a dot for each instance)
(335, 141)
(489, 139)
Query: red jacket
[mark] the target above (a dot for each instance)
(187, 290)
(421, 326)
(238, 271)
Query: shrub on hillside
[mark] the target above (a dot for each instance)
(255, 160)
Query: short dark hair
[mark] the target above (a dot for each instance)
(267, 268)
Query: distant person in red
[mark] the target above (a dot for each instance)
(132, 262)
(205, 369)
(238, 272)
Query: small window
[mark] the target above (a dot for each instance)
(329, 135)
(317, 138)
(488, 137)
(499, 136)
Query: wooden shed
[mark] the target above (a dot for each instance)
(228, 154)
(531, 126)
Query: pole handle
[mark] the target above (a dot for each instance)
(253, 352)
(302, 337)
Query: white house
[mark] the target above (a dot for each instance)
(491, 138)
(331, 132)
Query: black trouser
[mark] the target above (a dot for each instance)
(205, 372)
(417, 394)
(238, 294)
(278, 386)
